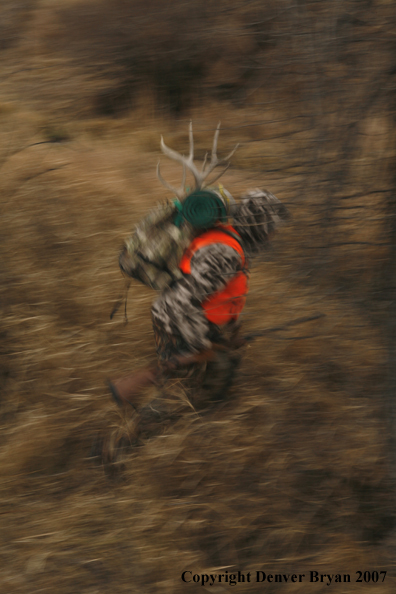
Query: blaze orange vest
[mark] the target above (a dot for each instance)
(227, 304)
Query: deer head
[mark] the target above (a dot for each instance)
(200, 176)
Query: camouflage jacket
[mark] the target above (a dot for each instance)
(178, 308)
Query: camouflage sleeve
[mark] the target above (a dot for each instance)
(178, 308)
(256, 216)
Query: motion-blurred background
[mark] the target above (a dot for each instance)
(296, 472)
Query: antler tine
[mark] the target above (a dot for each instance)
(213, 165)
(186, 162)
(191, 137)
(214, 161)
(179, 192)
(215, 139)
(228, 157)
(199, 176)
(171, 153)
(184, 178)
(212, 181)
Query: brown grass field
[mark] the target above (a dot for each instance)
(288, 475)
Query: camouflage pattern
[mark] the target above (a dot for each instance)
(256, 216)
(179, 322)
(178, 308)
(205, 382)
(153, 252)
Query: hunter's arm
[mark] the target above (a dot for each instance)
(178, 308)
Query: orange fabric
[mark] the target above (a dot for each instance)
(225, 305)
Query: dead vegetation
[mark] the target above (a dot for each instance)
(291, 474)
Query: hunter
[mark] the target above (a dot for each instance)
(204, 282)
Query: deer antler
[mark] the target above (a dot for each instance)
(179, 192)
(206, 170)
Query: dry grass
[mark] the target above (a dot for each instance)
(288, 475)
